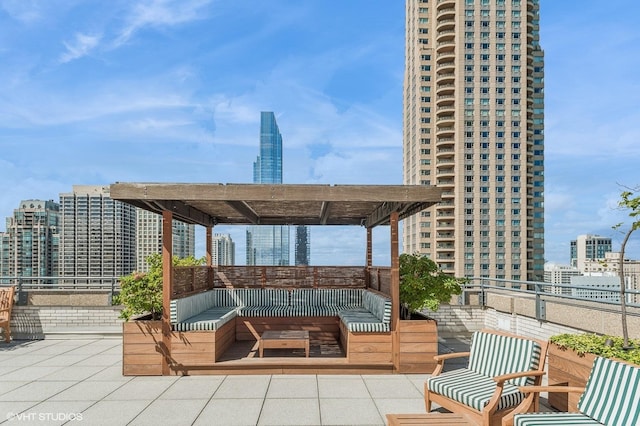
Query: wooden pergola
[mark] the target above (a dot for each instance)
(210, 204)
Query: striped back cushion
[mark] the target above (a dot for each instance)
(262, 296)
(189, 306)
(494, 354)
(612, 394)
(351, 297)
(378, 305)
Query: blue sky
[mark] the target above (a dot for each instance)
(94, 92)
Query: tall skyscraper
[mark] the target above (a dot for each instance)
(268, 245)
(98, 237)
(302, 247)
(588, 248)
(29, 247)
(474, 126)
(224, 250)
(149, 238)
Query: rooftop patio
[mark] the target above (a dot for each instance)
(50, 381)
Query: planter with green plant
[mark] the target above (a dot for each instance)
(571, 357)
(422, 286)
(141, 299)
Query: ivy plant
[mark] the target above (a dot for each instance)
(597, 345)
(141, 293)
(424, 285)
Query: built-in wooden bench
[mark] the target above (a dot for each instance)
(359, 318)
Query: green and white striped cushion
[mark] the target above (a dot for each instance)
(378, 305)
(264, 311)
(315, 311)
(612, 394)
(361, 320)
(211, 319)
(262, 297)
(350, 297)
(187, 307)
(473, 389)
(553, 419)
(494, 355)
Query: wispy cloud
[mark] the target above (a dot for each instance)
(161, 13)
(80, 46)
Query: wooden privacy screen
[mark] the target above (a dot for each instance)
(188, 280)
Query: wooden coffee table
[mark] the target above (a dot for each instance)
(285, 339)
(428, 419)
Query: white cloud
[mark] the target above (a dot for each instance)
(26, 11)
(81, 46)
(161, 13)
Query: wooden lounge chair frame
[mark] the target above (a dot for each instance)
(6, 304)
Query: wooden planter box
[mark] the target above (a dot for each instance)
(418, 345)
(567, 368)
(141, 354)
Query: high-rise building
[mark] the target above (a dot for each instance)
(302, 248)
(223, 250)
(29, 247)
(268, 245)
(587, 248)
(474, 126)
(98, 235)
(149, 238)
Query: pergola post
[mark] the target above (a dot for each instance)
(395, 290)
(369, 247)
(167, 267)
(209, 247)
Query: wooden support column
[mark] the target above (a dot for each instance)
(209, 259)
(395, 290)
(167, 273)
(369, 247)
(209, 246)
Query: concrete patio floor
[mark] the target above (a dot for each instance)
(79, 381)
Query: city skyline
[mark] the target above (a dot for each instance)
(89, 93)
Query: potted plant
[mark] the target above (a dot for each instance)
(571, 357)
(422, 286)
(141, 299)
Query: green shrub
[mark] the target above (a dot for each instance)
(595, 344)
(424, 285)
(141, 293)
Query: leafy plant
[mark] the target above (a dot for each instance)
(424, 285)
(597, 345)
(141, 293)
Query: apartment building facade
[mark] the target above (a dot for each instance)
(474, 126)
(149, 238)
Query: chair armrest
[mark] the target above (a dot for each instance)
(532, 393)
(554, 389)
(440, 359)
(451, 356)
(503, 378)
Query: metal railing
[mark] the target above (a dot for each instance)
(110, 285)
(601, 298)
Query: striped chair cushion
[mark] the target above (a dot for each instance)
(612, 394)
(472, 389)
(378, 305)
(553, 419)
(211, 319)
(361, 320)
(493, 355)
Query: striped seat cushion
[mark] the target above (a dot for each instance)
(612, 394)
(264, 311)
(494, 355)
(553, 419)
(316, 311)
(361, 320)
(473, 389)
(211, 319)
